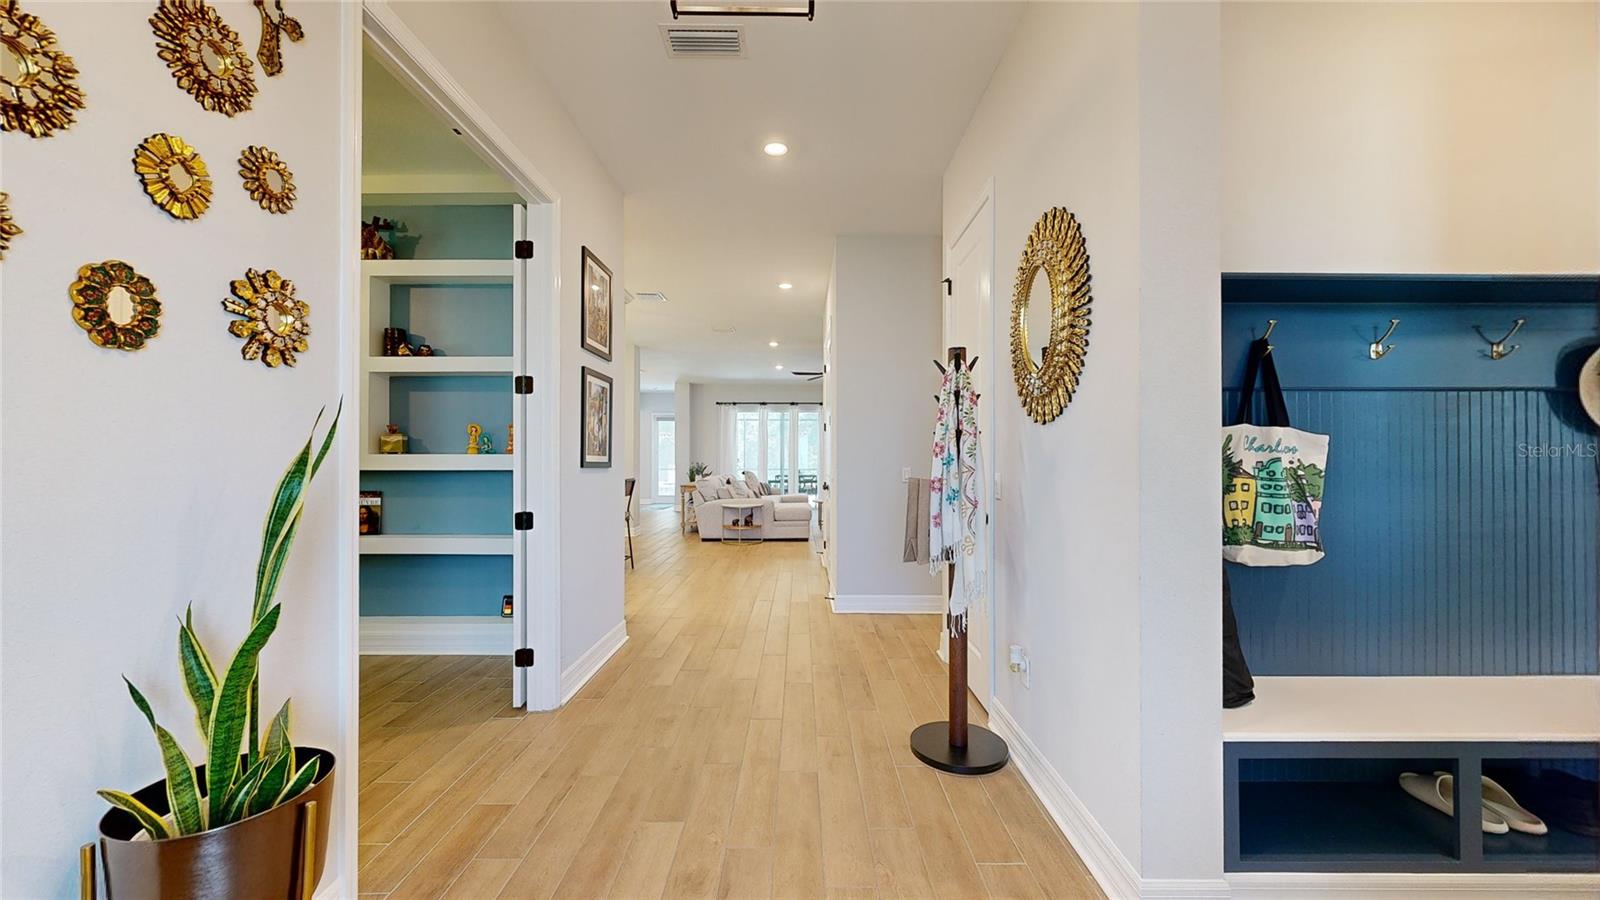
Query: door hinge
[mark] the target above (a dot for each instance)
(523, 658)
(523, 249)
(522, 384)
(522, 521)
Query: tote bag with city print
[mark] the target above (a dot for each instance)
(1272, 478)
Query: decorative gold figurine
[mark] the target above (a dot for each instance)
(270, 54)
(38, 83)
(1056, 246)
(474, 433)
(8, 227)
(511, 439)
(267, 179)
(373, 246)
(205, 55)
(274, 323)
(392, 441)
(115, 305)
(174, 175)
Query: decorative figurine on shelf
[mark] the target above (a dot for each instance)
(424, 350)
(373, 246)
(474, 434)
(511, 438)
(392, 441)
(403, 350)
(485, 444)
(392, 339)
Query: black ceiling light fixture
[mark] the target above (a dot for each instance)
(793, 9)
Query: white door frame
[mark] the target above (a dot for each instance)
(655, 462)
(986, 410)
(404, 54)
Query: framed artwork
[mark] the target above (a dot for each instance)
(596, 336)
(596, 450)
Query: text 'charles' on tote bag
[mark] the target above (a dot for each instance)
(1272, 478)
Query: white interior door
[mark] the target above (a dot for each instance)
(970, 319)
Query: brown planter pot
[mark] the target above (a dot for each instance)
(253, 859)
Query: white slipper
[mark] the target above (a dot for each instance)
(1437, 791)
(1499, 800)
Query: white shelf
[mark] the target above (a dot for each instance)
(1405, 708)
(439, 365)
(439, 271)
(436, 544)
(437, 462)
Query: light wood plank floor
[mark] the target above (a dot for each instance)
(745, 742)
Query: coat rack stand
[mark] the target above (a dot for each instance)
(957, 746)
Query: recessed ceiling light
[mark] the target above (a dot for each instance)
(785, 286)
(778, 366)
(775, 148)
(772, 343)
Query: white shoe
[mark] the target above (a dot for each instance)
(1499, 800)
(1437, 791)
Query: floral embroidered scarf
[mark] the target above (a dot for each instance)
(956, 504)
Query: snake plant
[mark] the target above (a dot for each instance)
(227, 707)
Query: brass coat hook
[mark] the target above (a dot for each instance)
(1378, 350)
(1498, 349)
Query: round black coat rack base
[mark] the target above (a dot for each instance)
(985, 751)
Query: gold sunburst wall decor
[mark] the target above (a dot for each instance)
(267, 179)
(205, 55)
(38, 83)
(174, 175)
(8, 226)
(115, 305)
(1056, 247)
(270, 53)
(273, 322)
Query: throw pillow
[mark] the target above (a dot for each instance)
(742, 491)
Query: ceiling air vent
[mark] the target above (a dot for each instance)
(650, 297)
(704, 41)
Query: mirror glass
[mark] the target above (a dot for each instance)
(1037, 316)
(179, 177)
(16, 65)
(217, 59)
(280, 315)
(119, 305)
(273, 179)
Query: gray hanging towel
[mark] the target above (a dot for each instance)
(916, 548)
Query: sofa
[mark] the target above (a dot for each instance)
(782, 517)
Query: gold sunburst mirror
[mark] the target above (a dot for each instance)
(8, 226)
(38, 83)
(115, 305)
(273, 322)
(1050, 310)
(205, 55)
(267, 179)
(174, 175)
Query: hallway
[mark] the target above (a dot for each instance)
(745, 742)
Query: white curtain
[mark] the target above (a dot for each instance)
(727, 440)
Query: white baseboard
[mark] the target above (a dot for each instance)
(575, 676)
(1404, 886)
(888, 603)
(1105, 861)
(435, 636)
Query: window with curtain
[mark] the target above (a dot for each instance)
(781, 444)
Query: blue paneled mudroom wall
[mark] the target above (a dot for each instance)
(1462, 510)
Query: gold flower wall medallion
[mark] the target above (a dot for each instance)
(174, 175)
(1057, 250)
(38, 83)
(115, 305)
(205, 55)
(273, 323)
(267, 179)
(8, 226)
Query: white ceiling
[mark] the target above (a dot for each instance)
(400, 137)
(871, 98)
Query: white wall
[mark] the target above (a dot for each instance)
(1411, 137)
(885, 315)
(705, 425)
(652, 404)
(136, 483)
(474, 44)
(1093, 107)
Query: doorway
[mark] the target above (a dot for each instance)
(663, 466)
(969, 322)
